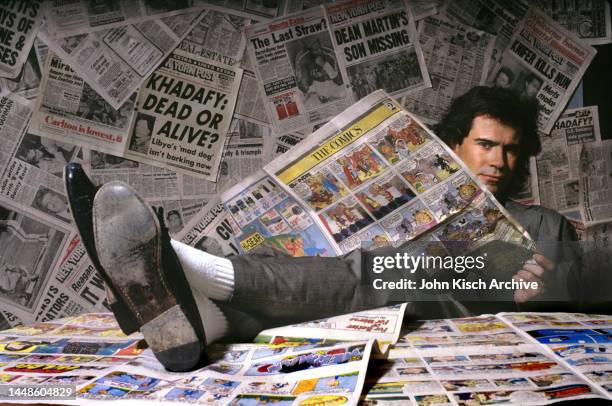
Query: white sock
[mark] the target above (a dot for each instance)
(211, 275)
(215, 323)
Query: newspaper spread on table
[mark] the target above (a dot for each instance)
(558, 163)
(90, 352)
(373, 174)
(596, 183)
(68, 18)
(545, 61)
(116, 62)
(309, 73)
(218, 36)
(590, 20)
(457, 58)
(179, 120)
(516, 357)
(19, 23)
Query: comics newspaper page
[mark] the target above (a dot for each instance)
(20, 23)
(581, 341)
(116, 62)
(81, 17)
(378, 47)
(558, 164)
(298, 70)
(589, 20)
(596, 183)
(376, 174)
(90, 353)
(458, 58)
(383, 325)
(545, 61)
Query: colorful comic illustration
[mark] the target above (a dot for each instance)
(461, 384)
(280, 388)
(255, 201)
(318, 188)
(514, 382)
(401, 139)
(294, 215)
(555, 379)
(346, 382)
(428, 400)
(345, 218)
(358, 166)
(452, 196)
(408, 222)
(480, 324)
(250, 400)
(371, 238)
(385, 195)
(428, 167)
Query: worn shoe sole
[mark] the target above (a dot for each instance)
(129, 246)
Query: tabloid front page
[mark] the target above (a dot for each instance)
(589, 20)
(457, 57)
(596, 183)
(298, 92)
(20, 21)
(264, 10)
(349, 183)
(116, 62)
(558, 164)
(68, 18)
(545, 61)
(377, 45)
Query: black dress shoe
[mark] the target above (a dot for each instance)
(135, 251)
(81, 191)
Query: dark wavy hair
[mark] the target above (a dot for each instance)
(504, 105)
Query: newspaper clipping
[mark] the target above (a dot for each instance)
(263, 10)
(596, 183)
(116, 62)
(19, 22)
(377, 45)
(546, 62)
(298, 70)
(67, 18)
(558, 164)
(458, 59)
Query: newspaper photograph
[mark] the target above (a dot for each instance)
(116, 62)
(558, 163)
(20, 23)
(184, 113)
(377, 45)
(543, 61)
(499, 18)
(589, 20)
(298, 70)
(31, 249)
(596, 183)
(353, 174)
(457, 57)
(81, 16)
(69, 110)
(27, 82)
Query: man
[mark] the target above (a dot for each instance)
(141, 137)
(491, 129)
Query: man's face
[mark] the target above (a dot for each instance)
(142, 130)
(490, 150)
(502, 80)
(531, 88)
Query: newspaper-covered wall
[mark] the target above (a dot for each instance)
(497, 17)
(377, 45)
(420, 8)
(219, 36)
(116, 62)
(589, 20)
(257, 10)
(545, 61)
(596, 183)
(457, 57)
(19, 22)
(27, 82)
(81, 16)
(558, 164)
(350, 183)
(298, 92)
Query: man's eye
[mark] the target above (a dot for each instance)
(485, 145)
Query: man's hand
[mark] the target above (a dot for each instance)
(538, 269)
